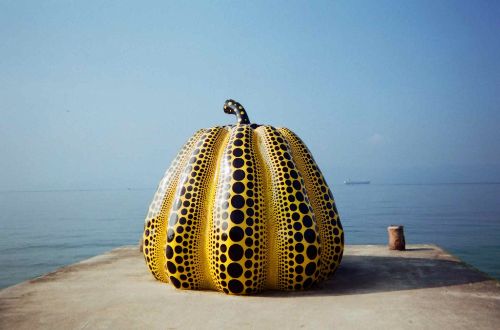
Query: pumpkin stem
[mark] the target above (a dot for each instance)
(234, 108)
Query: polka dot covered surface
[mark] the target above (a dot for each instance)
(242, 209)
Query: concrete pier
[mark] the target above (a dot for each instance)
(420, 288)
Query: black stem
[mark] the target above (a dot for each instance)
(234, 108)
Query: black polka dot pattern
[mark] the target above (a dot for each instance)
(295, 227)
(154, 237)
(238, 233)
(187, 216)
(327, 217)
(243, 208)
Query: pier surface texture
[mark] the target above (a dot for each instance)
(374, 288)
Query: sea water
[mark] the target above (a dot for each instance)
(41, 231)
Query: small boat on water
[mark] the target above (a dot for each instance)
(349, 181)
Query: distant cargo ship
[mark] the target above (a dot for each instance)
(349, 181)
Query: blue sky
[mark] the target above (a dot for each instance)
(102, 94)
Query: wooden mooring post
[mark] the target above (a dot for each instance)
(396, 237)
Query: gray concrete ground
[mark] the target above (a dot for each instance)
(422, 288)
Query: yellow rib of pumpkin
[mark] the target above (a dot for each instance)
(154, 237)
(237, 238)
(271, 228)
(297, 240)
(188, 215)
(327, 217)
(206, 241)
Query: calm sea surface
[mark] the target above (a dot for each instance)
(41, 231)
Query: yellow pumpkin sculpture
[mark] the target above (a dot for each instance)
(243, 208)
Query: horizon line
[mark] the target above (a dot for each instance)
(153, 188)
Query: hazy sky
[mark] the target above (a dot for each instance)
(101, 94)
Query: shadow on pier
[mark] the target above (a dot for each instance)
(371, 274)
